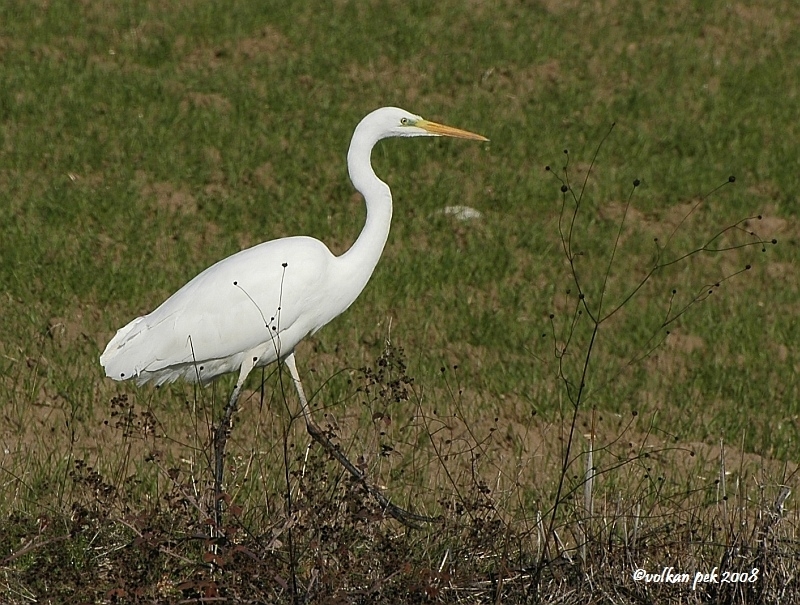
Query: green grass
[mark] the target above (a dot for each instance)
(142, 142)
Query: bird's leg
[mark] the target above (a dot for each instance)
(405, 517)
(221, 438)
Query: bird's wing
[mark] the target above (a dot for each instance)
(272, 294)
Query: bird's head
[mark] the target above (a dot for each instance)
(395, 122)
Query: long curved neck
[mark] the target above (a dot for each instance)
(360, 260)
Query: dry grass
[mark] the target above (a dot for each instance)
(653, 503)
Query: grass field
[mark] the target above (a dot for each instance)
(481, 378)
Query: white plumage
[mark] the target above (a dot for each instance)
(261, 302)
(254, 307)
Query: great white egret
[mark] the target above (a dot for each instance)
(255, 306)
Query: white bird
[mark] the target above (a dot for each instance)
(255, 306)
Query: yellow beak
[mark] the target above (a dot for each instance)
(448, 131)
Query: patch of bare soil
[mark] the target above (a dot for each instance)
(170, 198)
(206, 101)
(384, 74)
(520, 85)
(268, 45)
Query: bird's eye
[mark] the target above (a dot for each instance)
(404, 122)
